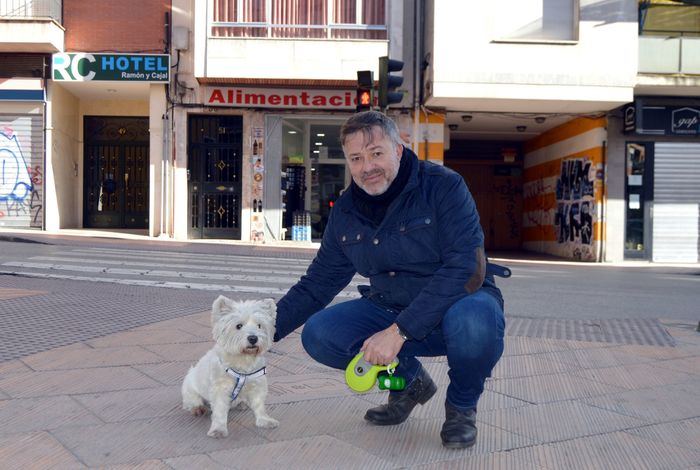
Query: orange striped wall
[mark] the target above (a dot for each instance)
(563, 190)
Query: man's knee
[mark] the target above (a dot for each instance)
(473, 326)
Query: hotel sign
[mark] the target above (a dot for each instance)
(281, 98)
(84, 67)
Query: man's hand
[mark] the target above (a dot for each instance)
(383, 346)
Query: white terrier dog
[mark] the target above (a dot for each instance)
(233, 371)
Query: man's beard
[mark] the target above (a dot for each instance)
(377, 190)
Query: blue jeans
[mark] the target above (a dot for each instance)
(470, 335)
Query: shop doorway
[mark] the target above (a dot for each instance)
(214, 162)
(315, 175)
(497, 191)
(638, 199)
(115, 179)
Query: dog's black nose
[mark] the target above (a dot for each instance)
(252, 339)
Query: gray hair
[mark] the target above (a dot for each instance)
(365, 121)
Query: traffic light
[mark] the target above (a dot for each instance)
(388, 83)
(365, 82)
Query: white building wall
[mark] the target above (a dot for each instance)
(313, 59)
(469, 65)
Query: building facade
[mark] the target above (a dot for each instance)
(574, 123)
(81, 151)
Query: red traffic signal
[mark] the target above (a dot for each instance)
(364, 98)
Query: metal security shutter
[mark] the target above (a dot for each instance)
(21, 170)
(676, 202)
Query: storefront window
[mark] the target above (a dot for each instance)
(313, 174)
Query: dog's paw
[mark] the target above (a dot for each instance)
(199, 410)
(266, 422)
(217, 433)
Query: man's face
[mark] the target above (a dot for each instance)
(373, 162)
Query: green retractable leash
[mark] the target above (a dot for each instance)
(361, 376)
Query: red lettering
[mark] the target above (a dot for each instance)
(230, 95)
(304, 98)
(348, 99)
(216, 96)
(335, 100)
(319, 101)
(290, 100)
(251, 98)
(274, 99)
(238, 96)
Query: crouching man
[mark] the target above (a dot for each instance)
(412, 228)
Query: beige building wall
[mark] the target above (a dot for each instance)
(63, 160)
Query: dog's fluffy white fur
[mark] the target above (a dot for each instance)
(243, 332)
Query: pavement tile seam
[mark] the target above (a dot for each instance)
(627, 380)
(578, 453)
(378, 461)
(554, 442)
(418, 442)
(67, 449)
(639, 432)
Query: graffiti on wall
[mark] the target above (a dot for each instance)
(19, 182)
(575, 202)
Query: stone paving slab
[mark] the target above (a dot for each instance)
(133, 405)
(550, 388)
(69, 382)
(657, 404)
(114, 402)
(684, 433)
(635, 376)
(156, 438)
(302, 454)
(616, 451)
(36, 450)
(150, 337)
(91, 357)
(558, 421)
(8, 293)
(43, 413)
(418, 442)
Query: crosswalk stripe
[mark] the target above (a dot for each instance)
(253, 264)
(169, 284)
(203, 256)
(152, 272)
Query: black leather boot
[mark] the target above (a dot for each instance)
(459, 430)
(401, 403)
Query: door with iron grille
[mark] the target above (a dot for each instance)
(214, 174)
(116, 154)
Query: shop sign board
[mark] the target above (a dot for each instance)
(280, 98)
(84, 67)
(648, 119)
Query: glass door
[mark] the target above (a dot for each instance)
(638, 198)
(313, 173)
(328, 173)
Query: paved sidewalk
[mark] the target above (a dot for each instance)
(114, 402)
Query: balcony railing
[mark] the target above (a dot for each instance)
(32, 9)
(669, 55)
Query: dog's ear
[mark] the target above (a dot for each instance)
(221, 306)
(271, 306)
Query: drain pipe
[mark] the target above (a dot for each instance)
(417, 64)
(602, 232)
(164, 176)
